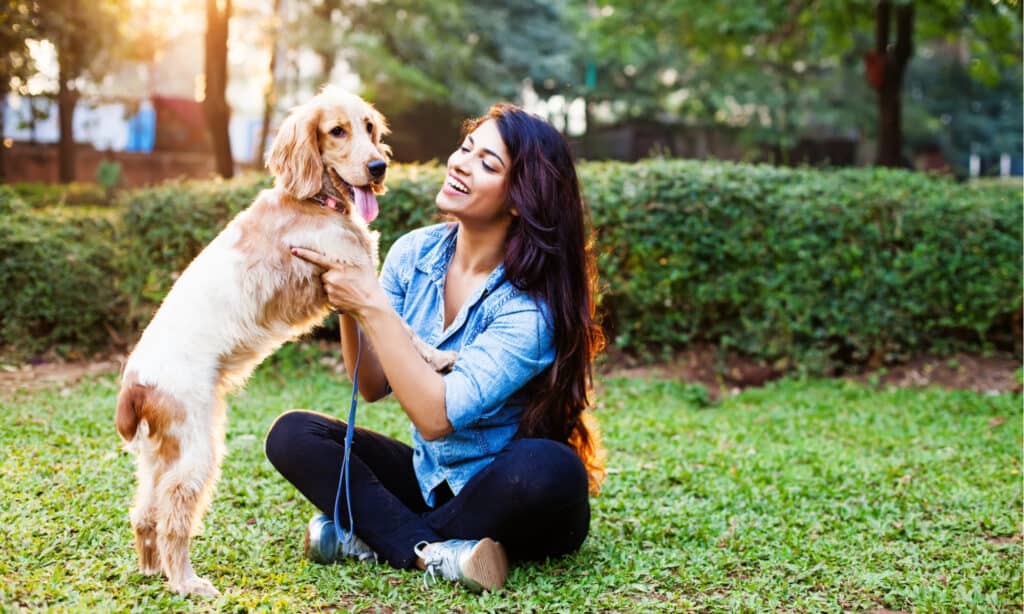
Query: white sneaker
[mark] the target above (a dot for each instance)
(478, 564)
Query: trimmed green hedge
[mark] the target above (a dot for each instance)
(58, 271)
(801, 267)
(804, 266)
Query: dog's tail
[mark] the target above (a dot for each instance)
(129, 408)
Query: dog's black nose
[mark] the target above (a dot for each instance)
(377, 168)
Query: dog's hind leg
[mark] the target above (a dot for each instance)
(183, 492)
(143, 514)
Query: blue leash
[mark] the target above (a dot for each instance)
(343, 481)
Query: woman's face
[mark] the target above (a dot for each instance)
(474, 189)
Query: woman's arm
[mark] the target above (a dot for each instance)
(417, 387)
(393, 359)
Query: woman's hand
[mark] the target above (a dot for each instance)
(351, 288)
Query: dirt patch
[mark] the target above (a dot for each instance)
(32, 377)
(704, 365)
(730, 374)
(994, 373)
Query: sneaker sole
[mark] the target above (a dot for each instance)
(486, 567)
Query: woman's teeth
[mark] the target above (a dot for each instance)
(458, 186)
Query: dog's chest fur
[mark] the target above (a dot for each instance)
(246, 294)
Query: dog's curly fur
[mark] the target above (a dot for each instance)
(241, 298)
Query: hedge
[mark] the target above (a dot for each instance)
(799, 265)
(58, 271)
(807, 268)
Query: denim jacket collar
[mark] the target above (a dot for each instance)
(435, 264)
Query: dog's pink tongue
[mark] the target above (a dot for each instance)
(366, 202)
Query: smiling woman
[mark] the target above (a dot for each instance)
(502, 456)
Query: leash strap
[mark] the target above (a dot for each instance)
(343, 480)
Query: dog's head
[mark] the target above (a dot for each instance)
(332, 144)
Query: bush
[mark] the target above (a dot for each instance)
(58, 271)
(797, 266)
(37, 195)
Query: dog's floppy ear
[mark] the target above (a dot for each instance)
(295, 155)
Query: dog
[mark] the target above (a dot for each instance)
(241, 298)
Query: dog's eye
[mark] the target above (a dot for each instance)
(337, 131)
(369, 128)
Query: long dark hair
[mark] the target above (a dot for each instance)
(548, 254)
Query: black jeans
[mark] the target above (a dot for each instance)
(532, 498)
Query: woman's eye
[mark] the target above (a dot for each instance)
(487, 167)
(463, 149)
(337, 131)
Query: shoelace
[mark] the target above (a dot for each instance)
(434, 563)
(358, 549)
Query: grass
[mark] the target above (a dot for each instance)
(802, 496)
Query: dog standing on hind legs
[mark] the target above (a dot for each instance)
(241, 298)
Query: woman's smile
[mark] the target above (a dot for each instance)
(454, 186)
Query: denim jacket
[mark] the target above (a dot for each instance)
(503, 337)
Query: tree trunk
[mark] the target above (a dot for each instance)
(67, 98)
(894, 63)
(328, 57)
(4, 88)
(215, 105)
(270, 93)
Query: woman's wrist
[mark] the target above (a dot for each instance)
(376, 304)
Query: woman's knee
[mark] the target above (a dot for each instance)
(547, 471)
(290, 434)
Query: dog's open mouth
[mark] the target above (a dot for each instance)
(362, 198)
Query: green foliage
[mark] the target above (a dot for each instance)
(817, 270)
(58, 268)
(779, 70)
(37, 195)
(458, 54)
(108, 175)
(816, 496)
(949, 108)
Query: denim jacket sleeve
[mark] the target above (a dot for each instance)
(399, 259)
(516, 346)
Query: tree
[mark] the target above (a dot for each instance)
(949, 110)
(786, 59)
(270, 90)
(18, 23)
(428, 65)
(886, 65)
(215, 105)
(87, 38)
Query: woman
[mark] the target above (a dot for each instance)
(502, 454)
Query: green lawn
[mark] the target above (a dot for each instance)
(802, 496)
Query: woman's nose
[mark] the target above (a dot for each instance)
(458, 161)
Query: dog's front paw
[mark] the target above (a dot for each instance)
(442, 362)
(194, 585)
